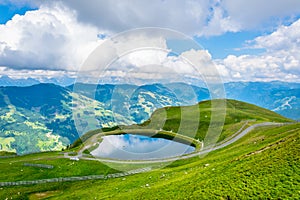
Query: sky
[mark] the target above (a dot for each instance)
(256, 40)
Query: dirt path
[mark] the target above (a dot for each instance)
(239, 134)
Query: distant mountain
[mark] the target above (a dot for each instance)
(7, 81)
(139, 102)
(128, 100)
(281, 97)
(49, 117)
(40, 117)
(62, 81)
(286, 103)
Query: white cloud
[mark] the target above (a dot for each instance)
(156, 64)
(144, 54)
(130, 52)
(280, 61)
(257, 13)
(61, 34)
(40, 75)
(48, 38)
(256, 68)
(185, 16)
(193, 17)
(219, 23)
(285, 37)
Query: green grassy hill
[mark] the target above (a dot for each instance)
(194, 121)
(262, 165)
(198, 118)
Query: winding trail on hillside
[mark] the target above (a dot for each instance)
(76, 178)
(239, 134)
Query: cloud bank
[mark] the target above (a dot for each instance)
(193, 17)
(58, 36)
(280, 61)
(48, 38)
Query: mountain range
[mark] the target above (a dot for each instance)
(46, 117)
(281, 97)
(23, 82)
(41, 117)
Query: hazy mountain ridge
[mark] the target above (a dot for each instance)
(281, 97)
(139, 102)
(7, 81)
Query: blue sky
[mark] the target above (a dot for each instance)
(229, 43)
(249, 41)
(219, 46)
(8, 11)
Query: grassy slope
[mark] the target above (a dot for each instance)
(236, 114)
(13, 169)
(5, 153)
(169, 118)
(263, 164)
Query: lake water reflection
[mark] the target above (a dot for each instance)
(137, 147)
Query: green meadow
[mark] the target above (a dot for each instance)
(264, 164)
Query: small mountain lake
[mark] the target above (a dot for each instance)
(138, 147)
